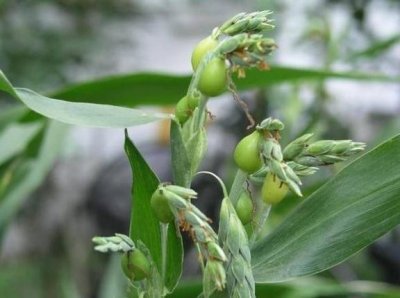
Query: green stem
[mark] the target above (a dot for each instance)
(164, 243)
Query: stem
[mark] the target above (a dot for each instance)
(164, 241)
(237, 186)
(218, 179)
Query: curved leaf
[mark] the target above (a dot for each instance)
(345, 215)
(144, 225)
(80, 113)
(94, 100)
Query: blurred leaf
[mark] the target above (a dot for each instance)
(93, 103)
(313, 287)
(114, 282)
(348, 213)
(12, 275)
(15, 138)
(128, 90)
(162, 89)
(32, 173)
(79, 113)
(377, 48)
(144, 225)
(280, 74)
(11, 114)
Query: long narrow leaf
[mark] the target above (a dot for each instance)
(162, 89)
(144, 225)
(79, 113)
(345, 215)
(34, 174)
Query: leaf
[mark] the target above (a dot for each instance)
(197, 148)
(377, 47)
(180, 163)
(345, 215)
(144, 225)
(128, 89)
(280, 74)
(80, 113)
(11, 114)
(313, 287)
(163, 89)
(32, 174)
(93, 103)
(15, 138)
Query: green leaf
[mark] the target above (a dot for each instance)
(197, 147)
(93, 103)
(32, 174)
(162, 89)
(313, 287)
(180, 163)
(377, 48)
(15, 138)
(128, 89)
(11, 114)
(144, 225)
(80, 113)
(280, 74)
(345, 215)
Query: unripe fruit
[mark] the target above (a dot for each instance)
(201, 49)
(213, 78)
(244, 208)
(182, 110)
(135, 265)
(160, 206)
(273, 190)
(247, 153)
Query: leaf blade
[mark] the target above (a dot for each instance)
(80, 113)
(144, 226)
(349, 212)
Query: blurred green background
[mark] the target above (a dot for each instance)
(45, 248)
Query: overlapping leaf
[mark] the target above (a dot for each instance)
(144, 225)
(349, 212)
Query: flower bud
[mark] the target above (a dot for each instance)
(215, 251)
(215, 273)
(320, 147)
(296, 147)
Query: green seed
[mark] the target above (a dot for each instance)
(182, 110)
(135, 265)
(273, 190)
(160, 206)
(244, 208)
(247, 153)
